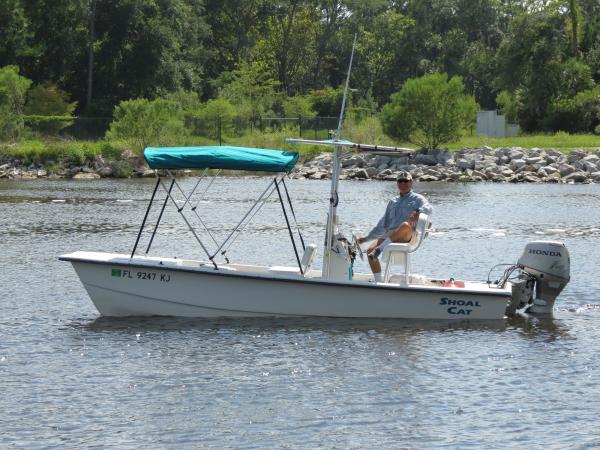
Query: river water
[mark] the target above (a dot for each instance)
(72, 379)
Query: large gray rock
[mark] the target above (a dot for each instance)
(516, 153)
(550, 169)
(86, 176)
(360, 174)
(534, 160)
(577, 177)
(318, 175)
(425, 159)
(517, 163)
(566, 169)
(576, 155)
(589, 166)
(530, 178)
(465, 163)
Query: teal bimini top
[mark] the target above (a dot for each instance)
(220, 157)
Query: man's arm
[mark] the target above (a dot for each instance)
(425, 207)
(379, 229)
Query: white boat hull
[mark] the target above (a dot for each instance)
(120, 286)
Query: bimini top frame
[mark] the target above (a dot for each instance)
(231, 158)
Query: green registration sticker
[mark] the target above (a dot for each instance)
(116, 272)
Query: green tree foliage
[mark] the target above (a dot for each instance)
(15, 35)
(214, 116)
(142, 123)
(508, 106)
(327, 101)
(298, 106)
(47, 99)
(48, 108)
(579, 114)
(13, 88)
(287, 48)
(255, 53)
(429, 111)
(253, 90)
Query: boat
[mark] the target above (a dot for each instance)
(133, 284)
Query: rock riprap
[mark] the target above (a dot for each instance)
(502, 165)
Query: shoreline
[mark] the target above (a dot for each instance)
(500, 165)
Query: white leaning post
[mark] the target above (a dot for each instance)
(399, 253)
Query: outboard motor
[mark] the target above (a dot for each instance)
(546, 268)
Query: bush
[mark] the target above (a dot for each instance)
(48, 108)
(13, 88)
(141, 123)
(429, 111)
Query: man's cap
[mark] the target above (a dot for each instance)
(404, 175)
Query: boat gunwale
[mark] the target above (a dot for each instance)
(207, 270)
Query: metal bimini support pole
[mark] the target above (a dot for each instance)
(237, 227)
(145, 217)
(243, 228)
(159, 217)
(180, 209)
(293, 213)
(189, 225)
(207, 188)
(187, 198)
(288, 225)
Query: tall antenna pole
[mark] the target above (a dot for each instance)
(335, 177)
(341, 119)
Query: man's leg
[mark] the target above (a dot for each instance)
(403, 233)
(374, 262)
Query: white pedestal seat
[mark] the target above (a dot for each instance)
(399, 253)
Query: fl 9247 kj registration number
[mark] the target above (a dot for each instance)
(140, 275)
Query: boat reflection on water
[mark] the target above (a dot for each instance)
(533, 326)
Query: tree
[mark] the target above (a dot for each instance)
(252, 89)
(530, 62)
(287, 48)
(429, 111)
(574, 26)
(13, 88)
(15, 34)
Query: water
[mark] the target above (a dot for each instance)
(72, 379)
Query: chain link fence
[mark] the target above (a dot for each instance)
(217, 128)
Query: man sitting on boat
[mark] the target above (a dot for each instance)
(398, 223)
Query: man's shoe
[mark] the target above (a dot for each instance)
(375, 253)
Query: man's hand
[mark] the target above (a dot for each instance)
(361, 240)
(414, 217)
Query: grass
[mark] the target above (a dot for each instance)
(560, 141)
(56, 153)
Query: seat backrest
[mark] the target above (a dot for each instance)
(421, 231)
(308, 257)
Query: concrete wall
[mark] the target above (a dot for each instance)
(490, 123)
